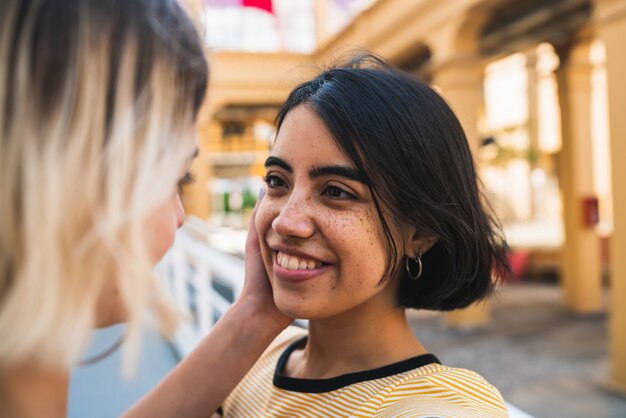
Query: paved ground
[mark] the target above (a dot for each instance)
(546, 361)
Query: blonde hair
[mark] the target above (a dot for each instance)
(97, 105)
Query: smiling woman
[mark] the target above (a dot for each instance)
(372, 207)
(318, 211)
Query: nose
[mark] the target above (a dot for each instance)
(179, 211)
(294, 217)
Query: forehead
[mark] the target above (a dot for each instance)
(305, 139)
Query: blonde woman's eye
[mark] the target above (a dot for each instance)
(338, 193)
(186, 180)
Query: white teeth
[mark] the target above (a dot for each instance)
(295, 263)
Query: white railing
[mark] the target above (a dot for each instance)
(203, 282)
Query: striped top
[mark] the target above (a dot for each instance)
(417, 387)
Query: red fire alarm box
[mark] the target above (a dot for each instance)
(591, 215)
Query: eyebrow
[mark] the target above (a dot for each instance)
(195, 153)
(279, 162)
(337, 170)
(319, 171)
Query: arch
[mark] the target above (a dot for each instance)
(514, 26)
(417, 61)
(468, 32)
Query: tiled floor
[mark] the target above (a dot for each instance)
(546, 361)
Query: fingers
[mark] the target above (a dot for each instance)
(252, 239)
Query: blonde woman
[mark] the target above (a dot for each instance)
(98, 102)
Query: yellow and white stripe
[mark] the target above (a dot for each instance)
(429, 391)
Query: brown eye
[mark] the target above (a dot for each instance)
(186, 180)
(273, 181)
(338, 193)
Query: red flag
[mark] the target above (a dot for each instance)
(260, 4)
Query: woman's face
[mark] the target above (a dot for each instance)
(321, 239)
(161, 226)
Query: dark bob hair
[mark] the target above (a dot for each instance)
(411, 150)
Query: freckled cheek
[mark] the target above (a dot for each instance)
(265, 214)
(363, 245)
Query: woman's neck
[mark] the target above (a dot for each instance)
(28, 391)
(362, 339)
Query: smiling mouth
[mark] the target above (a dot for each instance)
(290, 262)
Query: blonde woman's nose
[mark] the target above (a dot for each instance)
(179, 211)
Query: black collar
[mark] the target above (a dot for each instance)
(294, 384)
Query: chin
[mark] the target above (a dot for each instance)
(112, 314)
(300, 305)
(299, 310)
(109, 324)
(292, 310)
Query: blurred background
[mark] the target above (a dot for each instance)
(539, 86)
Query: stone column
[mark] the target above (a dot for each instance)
(610, 20)
(460, 81)
(532, 89)
(581, 264)
(320, 8)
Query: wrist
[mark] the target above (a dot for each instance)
(258, 317)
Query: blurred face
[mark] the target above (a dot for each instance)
(321, 239)
(161, 226)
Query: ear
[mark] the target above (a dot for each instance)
(416, 243)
